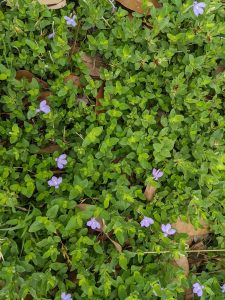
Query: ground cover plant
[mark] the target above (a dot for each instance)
(112, 173)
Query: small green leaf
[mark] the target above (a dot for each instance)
(123, 261)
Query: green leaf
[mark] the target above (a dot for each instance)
(92, 136)
(4, 72)
(75, 222)
(122, 292)
(36, 226)
(123, 261)
(52, 211)
(119, 235)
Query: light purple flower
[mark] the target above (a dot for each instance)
(51, 35)
(198, 289)
(146, 222)
(167, 230)
(61, 161)
(70, 21)
(54, 181)
(94, 224)
(223, 288)
(198, 8)
(157, 174)
(65, 296)
(43, 107)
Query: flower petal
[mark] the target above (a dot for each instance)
(167, 227)
(59, 180)
(201, 4)
(196, 12)
(46, 109)
(50, 183)
(171, 231)
(43, 103)
(60, 166)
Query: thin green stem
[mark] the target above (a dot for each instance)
(187, 251)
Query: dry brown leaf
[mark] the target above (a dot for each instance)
(24, 73)
(72, 276)
(93, 63)
(49, 2)
(74, 78)
(57, 6)
(117, 245)
(137, 5)
(49, 149)
(182, 262)
(219, 69)
(149, 192)
(44, 95)
(57, 172)
(28, 297)
(83, 99)
(83, 206)
(198, 246)
(188, 228)
(100, 95)
(188, 295)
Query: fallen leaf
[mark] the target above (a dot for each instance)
(58, 5)
(83, 206)
(74, 78)
(83, 99)
(197, 259)
(182, 262)
(100, 95)
(24, 73)
(137, 5)
(198, 246)
(219, 69)
(49, 2)
(188, 228)
(117, 245)
(49, 149)
(28, 297)
(44, 95)
(57, 172)
(149, 192)
(188, 295)
(72, 276)
(93, 63)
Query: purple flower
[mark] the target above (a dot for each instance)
(198, 289)
(198, 8)
(167, 230)
(65, 296)
(94, 224)
(146, 222)
(51, 35)
(70, 21)
(43, 107)
(223, 288)
(157, 174)
(54, 181)
(61, 161)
